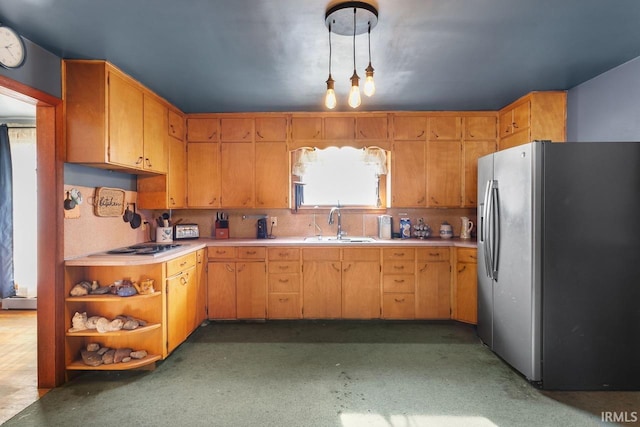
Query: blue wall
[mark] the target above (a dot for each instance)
(607, 107)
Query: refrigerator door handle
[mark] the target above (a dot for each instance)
(495, 240)
(484, 229)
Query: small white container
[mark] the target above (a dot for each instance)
(164, 234)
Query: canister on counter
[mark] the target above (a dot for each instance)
(405, 228)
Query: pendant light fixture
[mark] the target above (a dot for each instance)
(330, 98)
(354, 93)
(351, 18)
(369, 85)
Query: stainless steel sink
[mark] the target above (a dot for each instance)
(350, 239)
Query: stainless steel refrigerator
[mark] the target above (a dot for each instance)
(559, 262)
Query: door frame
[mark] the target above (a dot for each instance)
(50, 221)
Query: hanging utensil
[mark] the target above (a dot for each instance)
(128, 214)
(136, 219)
(69, 203)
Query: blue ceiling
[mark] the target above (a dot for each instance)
(272, 55)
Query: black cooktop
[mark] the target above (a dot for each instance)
(145, 249)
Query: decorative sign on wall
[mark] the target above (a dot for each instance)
(108, 201)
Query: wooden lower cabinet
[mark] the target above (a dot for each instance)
(433, 284)
(398, 283)
(179, 287)
(361, 283)
(197, 296)
(237, 283)
(466, 286)
(322, 289)
(284, 283)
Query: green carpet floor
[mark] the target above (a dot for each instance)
(309, 373)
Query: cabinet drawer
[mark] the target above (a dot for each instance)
(398, 267)
(221, 252)
(467, 255)
(284, 267)
(177, 265)
(251, 253)
(398, 283)
(284, 283)
(284, 306)
(398, 306)
(283, 254)
(433, 254)
(360, 254)
(331, 254)
(399, 253)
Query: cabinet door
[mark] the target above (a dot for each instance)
(236, 130)
(271, 129)
(444, 183)
(322, 289)
(480, 128)
(203, 175)
(471, 152)
(203, 130)
(407, 128)
(177, 177)
(237, 169)
(360, 289)
(155, 135)
(372, 128)
(341, 128)
(197, 295)
(251, 290)
(175, 125)
(521, 114)
(221, 290)
(445, 128)
(125, 122)
(272, 175)
(515, 139)
(466, 292)
(177, 307)
(306, 128)
(408, 174)
(433, 290)
(506, 123)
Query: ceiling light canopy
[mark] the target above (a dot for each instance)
(351, 18)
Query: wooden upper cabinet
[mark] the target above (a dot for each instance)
(203, 175)
(237, 171)
(177, 175)
(481, 128)
(445, 128)
(408, 174)
(372, 127)
(471, 152)
(409, 127)
(272, 175)
(176, 125)
(236, 129)
(125, 138)
(535, 116)
(306, 128)
(339, 128)
(155, 140)
(444, 184)
(271, 129)
(203, 129)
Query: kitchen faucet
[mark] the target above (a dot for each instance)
(337, 209)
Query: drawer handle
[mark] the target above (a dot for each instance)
(219, 252)
(398, 254)
(434, 253)
(399, 267)
(399, 299)
(283, 254)
(251, 252)
(283, 299)
(283, 280)
(182, 264)
(283, 267)
(399, 280)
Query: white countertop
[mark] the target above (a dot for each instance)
(188, 246)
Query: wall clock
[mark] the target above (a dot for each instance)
(12, 50)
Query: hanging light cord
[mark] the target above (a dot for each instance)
(329, 50)
(354, 39)
(369, 37)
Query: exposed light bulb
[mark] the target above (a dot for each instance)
(330, 100)
(354, 93)
(369, 84)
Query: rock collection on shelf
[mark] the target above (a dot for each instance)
(96, 355)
